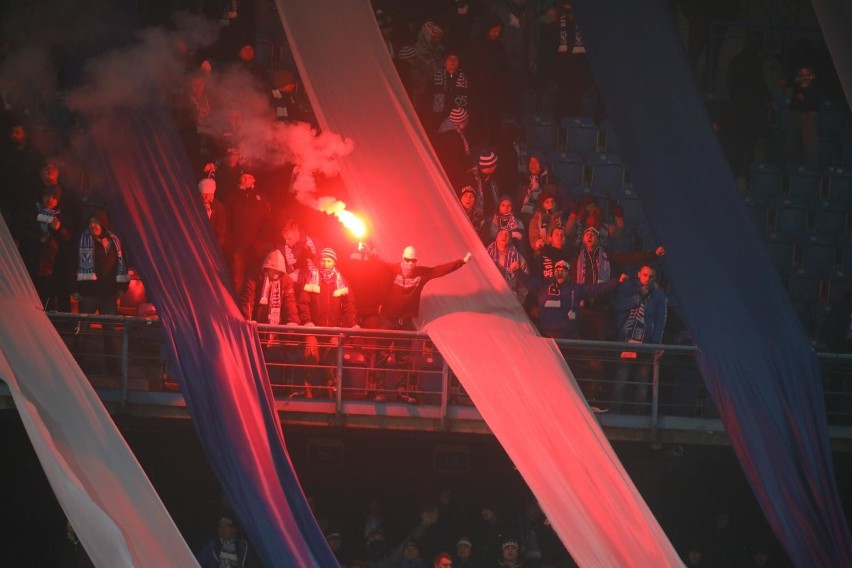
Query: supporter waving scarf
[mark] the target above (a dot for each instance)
(754, 356)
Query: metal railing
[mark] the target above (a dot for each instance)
(346, 373)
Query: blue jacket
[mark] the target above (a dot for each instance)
(629, 296)
(559, 305)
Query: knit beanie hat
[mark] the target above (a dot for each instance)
(458, 116)
(207, 186)
(406, 52)
(328, 253)
(487, 159)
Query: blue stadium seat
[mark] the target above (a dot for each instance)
(610, 141)
(781, 250)
(832, 118)
(838, 188)
(759, 215)
(845, 246)
(788, 217)
(625, 191)
(839, 283)
(804, 286)
(564, 156)
(542, 134)
(817, 252)
(830, 221)
(581, 135)
(634, 215)
(803, 183)
(607, 175)
(570, 174)
(766, 182)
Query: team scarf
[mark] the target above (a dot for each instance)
(564, 36)
(86, 258)
(633, 330)
(512, 255)
(511, 224)
(332, 276)
(45, 217)
(597, 262)
(271, 295)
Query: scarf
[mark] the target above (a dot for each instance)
(45, 217)
(597, 262)
(563, 34)
(633, 330)
(271, 296)
(86, 258)
(512, 255)
(228, 556)
(313, 284)
(511, 224)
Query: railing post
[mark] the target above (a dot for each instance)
(125, 363)
(655, 393)
(338, 379)
(445, 393)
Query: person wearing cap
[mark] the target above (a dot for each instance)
(226, 549)
(463, 557)
(596, 264)
(227, 171)
(558, 300)
(249, 214)
(510, 554)
(452, 146)
(468, 200)
(486, 180)
(214, 209)
(410, 556)
(449, 88)
(325, 301)
(402, 303)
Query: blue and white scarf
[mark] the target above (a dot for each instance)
(45, 217)
(597, 262)
(86, 258)
(633, 330)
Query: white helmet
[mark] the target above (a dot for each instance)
(410, 252)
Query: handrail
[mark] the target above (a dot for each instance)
(379, 356)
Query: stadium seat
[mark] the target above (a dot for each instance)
(804, 286)
(788, 217)
(634, 215)
(607, 175)
(839, 283)
(845, 246)
(833, 118)
(817, 252)
(542, 134)
(781, 250)
(766, 182)
(830, 221)
(610, 141)
(803, 183)
(569, 173)
(581, 135)
(838, 188)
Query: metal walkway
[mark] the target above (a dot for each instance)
(398, 381)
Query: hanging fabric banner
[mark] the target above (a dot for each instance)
(754, 356)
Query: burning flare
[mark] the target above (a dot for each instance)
(348, 219)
